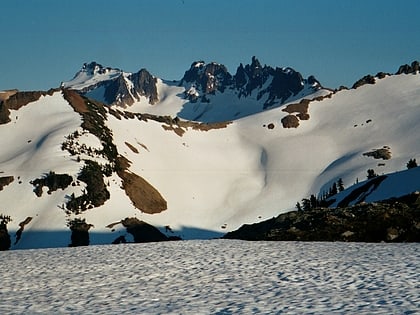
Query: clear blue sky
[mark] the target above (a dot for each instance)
(44, 42)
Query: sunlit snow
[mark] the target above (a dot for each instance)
(213, 277)
(216, 180)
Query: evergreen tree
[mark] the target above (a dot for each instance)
(412, 163)
(334, 189)
(340, 184)
(306, 204)
(371, 174)
(314, 202)
(5, 241)
(298, 206)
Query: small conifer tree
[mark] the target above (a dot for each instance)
(340, 184)
(371, 174)
(412, 163)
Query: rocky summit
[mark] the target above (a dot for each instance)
(274, 85)
(113, 86)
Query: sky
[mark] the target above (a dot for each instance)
(45, 42)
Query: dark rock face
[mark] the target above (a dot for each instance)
(117, 90)
(404, 69)
(253, 77)
(209, 78)
(285, 82)
(396, 220)
(290, 121)
(144, 85)
(142, 231)
(368, 79)
(407, 69)
(6, 180)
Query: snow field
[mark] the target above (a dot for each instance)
(213, 181)
(213, 277)
(246, 173)
(33, 143)
(203, 182)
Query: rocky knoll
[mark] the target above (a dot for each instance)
(394, 220)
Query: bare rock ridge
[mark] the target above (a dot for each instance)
(116, 86)
(276, 84)
(403, 69)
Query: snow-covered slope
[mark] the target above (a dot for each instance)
(212, 178)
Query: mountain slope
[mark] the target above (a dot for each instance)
(192, 179)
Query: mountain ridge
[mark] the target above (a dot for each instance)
(236, 162)
(203, 82)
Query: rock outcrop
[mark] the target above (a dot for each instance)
(274, 85)
(395, 220)
(17, 100)
(409, 69)
(142, 231)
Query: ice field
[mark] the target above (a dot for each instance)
(213, 277)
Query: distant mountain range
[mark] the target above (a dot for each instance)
(112, 156)
(207, 88)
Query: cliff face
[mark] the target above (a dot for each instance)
(274, 85)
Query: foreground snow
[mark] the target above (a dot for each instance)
(213, 277)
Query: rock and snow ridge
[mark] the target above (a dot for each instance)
(113, 86)
(206, 178)
(206, 92)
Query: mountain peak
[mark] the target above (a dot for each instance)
(209, 77)
(113, 86)
(93, 68)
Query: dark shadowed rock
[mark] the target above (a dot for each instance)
(368, 79)
(290, 121)
(120, 88)
(6, 180)
(116, 92)
(142, 231)
(394, 220)
(407, 69)
(276, 85)
(144, 84)
(208, 78)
